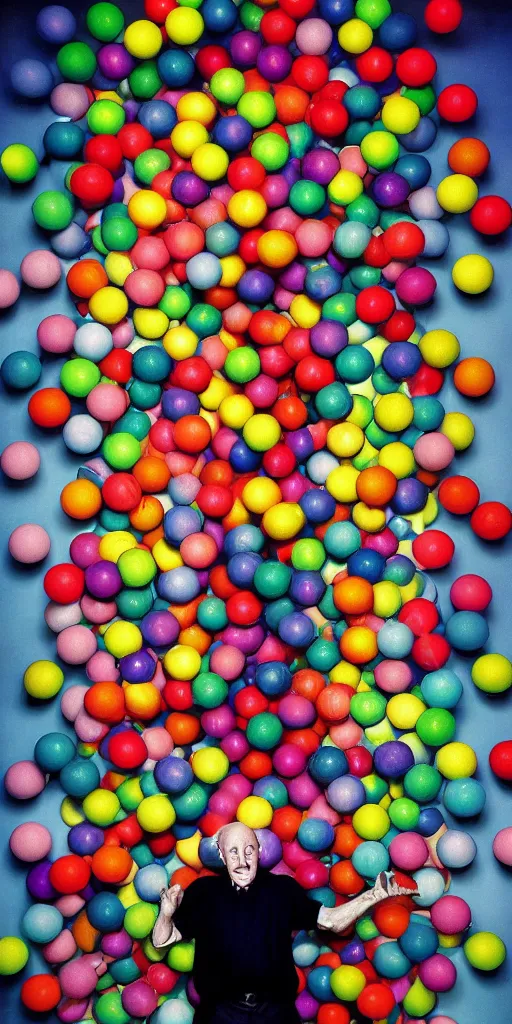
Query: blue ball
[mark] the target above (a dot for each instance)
(151, 364)
(437, 238)
(401, 359)
(106, 912)
(393, 759)
(421, 137)
(158, 117)
(243, 538)
(176, 68)
(85, 838)
(79, 777)
(271, 789)
(430, 821)
(467, 631)
(149, 882)
(241, 568)
(219, 15)
(209, 853)
(20, 370)
(353, 953)
(370, 858)
(306, 587)
(464, 798)
(442, 688)
(431, 885)
(395, 639)
(82, 434)
(204, 270)
(41, 923)
(243, 459)
(255, 286)
(54, 751)
(179, 586)
(179, 522)
(322, 282)
(31, 78)
(63, 140)
(56, 24)
(71, 243)
(319, 983)
(296, 629)
(327, 764)
(318, 506)
(410, 496)
(362, 102)
(222, 238)
(456, 849)
(273, 678)
(428, 411)
(415, 169)
(399, 569)
(390, 961)
(315, 834)
(233, 133)
(173, 774)
(418, 942)
(398, 32)
(365, 562)
(336, 11)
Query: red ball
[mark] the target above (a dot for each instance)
(121, 492)
(420, 615)
(404, 241)
(279, 461)
(128, 831)
(104, 150)
(127, 749)
(400, 326)
(277, 27)
(500, 760)
(375, 304)
(433, 549)
(162, 844)
(426, 381)
(64, 583)
(117, 365)
(375, 65)
(376, 1001)
(248, 248)
(360, 761)
(275, 362)
(49, 407)
(210, 59)
(491, 215)
(416, 67)
(92, 184)
(297, 9)
(69, 874)
(178, 695)
(309, 72)
(244, 608)
(161, 435)
(314, 373)
(162, 978)
(443, 16)
(41, 993)
(214, 500)
(459, 495)
(134, 140)
(329, 118)
(457, 103)
(246, 172)
(250, 702)
(470, 593)
(491, 520)
(192, 374)
(157, 10)
(376, 254)
(431, 651)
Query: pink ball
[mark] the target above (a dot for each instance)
(314, 35)
(392, 272)
(149, 254)
(312, 874)
(78, 979)
(101, 668)
(346, 734)
(351, 160)
(55, 333)
(68, 906)
(107, 402)
(198, 550)
(9, 288)
(393, 676)
(214, 352)
(71, 1011)
(158, 742)
(122, 334)
(76, 644)
(144, 287)
(434, 451)
(321, 809)
(24, 780)
(72, 701)
(450, 915)
(289, 760)
(88, 729)
(294, 854)
(224, 803)
(60, 949)
(296, 712)
(29, 543)
(238, 786)
(139, 999)
(416, 286)
(284, 219)
(235, 746)
(302, 791)
(20, 460)
(84, 549)
(408, 851)
(228, 662)
(262, 391)
(41, 269)
(30, 842)
(60, 616)
(70, 100)
(442, 1020)
(218, 722)
(313, 238)
(502, 846)
(438, 973)
(98, 612)
(470, 593)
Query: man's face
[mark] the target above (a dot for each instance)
(238, 847)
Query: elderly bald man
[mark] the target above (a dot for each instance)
(242, 922)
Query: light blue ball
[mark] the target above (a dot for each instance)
(370, 858)
(53, 751)
(31, 78)
(437, 238)
(342, 540)
(327, 764)
(315, 834)
(351, 239)
(20, 370)
(430, 883)
(203, 271)
(42, 923)
(149, 881)
(320, 465)
(395, 639)
(179, 585)
(467, 631)
(63, 140)
(222, 239)
(71, 243)
(319, 983)
(305, 950)
(456, 849)
(173, 1011)
(93, 341)
(441, 689)
(390, 961)
(415, 169)
(82, 434)
(106, 912)
(346, 794)
(464, 798)
(418, 942)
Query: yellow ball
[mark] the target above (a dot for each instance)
(247, 208)
(156, 813)
(210, 161)
(215, 394)
(150, 323)
(387, 599)
(456, 760)
(459, 429)
(166, 557)
(283, 521)
(473, 274)
(233, 267)
(355, 36)
(371, 821)
(305, 312)
(188, 851)
(195, 106)
(210, 764)
(43, 679)
(400, 115)
(113, 544)
(372, 520)
(108, 305)
(344, 672)
(277, 248)
(184, 26)
(143, 39)
(101, 806)
(187, 136)
(147, 209)
(345, 440)
(341, 483)
(182, 662)
(344, 187)
(262, 432)
(457, 193)
(397, 457)
(180, 342)
(394, 412)
(14, 954)
(439, 348)
(492, 673)
(235, 411)
(404, 709)
(118, 266)
(122, 638)
(255, 812)
(260, 494)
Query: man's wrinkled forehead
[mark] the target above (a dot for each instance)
(236, 834)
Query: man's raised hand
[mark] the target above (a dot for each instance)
(170, 900)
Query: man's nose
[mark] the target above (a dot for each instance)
(243, 859)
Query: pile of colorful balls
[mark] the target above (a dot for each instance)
(243, 206)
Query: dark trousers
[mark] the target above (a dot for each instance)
(262, 1013)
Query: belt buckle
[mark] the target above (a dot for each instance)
(250, 1000)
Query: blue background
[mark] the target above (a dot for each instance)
(478, 54)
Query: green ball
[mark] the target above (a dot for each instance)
(356, 132)
(301, 139)
(272, 579)
(130, 794)
(144, 395)
(114, 210)
(145, 81)
(404, 813)
(52, 210)
(191, 804)
(424, 98)
(364, 209)
(209, 690)
(423, 782)
(121, 450)
(150, 163)
(227, 85)
(124, 971)
(105, 117)
(14, 954)
(104, 21)
(118, 234)
(379, 437)
(368, 708)
(485, 951)
(111, 520)
(355, 364)
(364, 277)
(342, 307)
(362, 411)
(271, 150)
(175, 302)
(380, 149)
(79, 376)
(419, 1000)
(137, 567)
(264, 731)
(135, 422)
(306, 198)
(19, 163)
(373, 12)
(109, 1009)
(211, 614)
(76, 62)
(181, 957)
(333, 402)
(328, 608)
(435, 727)
(383, 383)
(204, 320)
(376, 788)
(366, 929)
(258, 108)
(308, 553)
(250, 16)
(242, 364)
(134, 604)
(139, 919)
(322, 654)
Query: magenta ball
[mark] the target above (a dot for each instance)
(9, 288)
(408, 851)
(30, 842)
(85, 549)
(224, 803)
(107, 402)
(29, 543)
(78, 978)
(302, 791)
(314, 35)
(24, 780)
(72, 701)
(296, 712)
(139, 999)
(41, 269)
(450, 915)
(227, 661)
(438, 973)
(20, 460)
(393, 676)
(434, 451)
(117, 944)
(76, 644)
(55, 333)
(98, 612)
(218, 722)
(289, 760)
(71, 100)
(235, 746)
(122, 334)
(416, 286)
(238, 786)
(502, 846)
(470, 593)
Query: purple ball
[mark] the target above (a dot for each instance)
(306, 587)
(38, 882)
(117, 944)
(393, 759)
(244, 48)
(291, 171)
(328, 337)
(276, 190)
(173, 774)
(390, 189)
(307, 1005)
(160, 629)
(271, 849)
(189, 189)
(247, 640)
(274, 62)
(216, 531)
(176, 402)
(115, 62)
(255, 286)
(416, 286)
(84, 549)
(293, 277)
(296, 629)
(180, 522)
(410, 496)
(84, 839)
(401, 359)
(320, 165)
(346, 794)
(103, 580)
(138, 667)
(118, 191)
(301, 443)
(56, 24)
(353, 953)
(336, 262)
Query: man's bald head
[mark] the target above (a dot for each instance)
(239, 848)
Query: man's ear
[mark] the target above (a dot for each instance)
(221, 855)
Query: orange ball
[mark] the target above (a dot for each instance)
(86, 277)
(83, 933)
(183, 728)
(391, 919)
(49, 407)
(469, 156)
(307, 739)
(343, 878)
(353, 595)
(81, 499)
(376, 485)
(474, 377)
(142, 701)
(41, 993)
(152, 473)
(111, 864)
(333, 703)
(346, 840)
(328, 960)
(105, 702)
(184, 877)
(196, 637)
(309, 683)
(285, 823)
(192, 434)
(333, 1013)
(291, 104)
(148, 514)
(186, 614)
(358, 645)
(256, 765)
